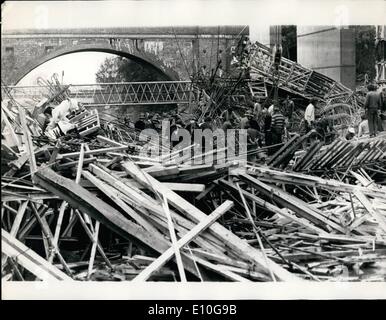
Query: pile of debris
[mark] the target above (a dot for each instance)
(340, 156)
(337, 101)
(87, 207)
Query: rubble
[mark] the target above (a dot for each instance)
(313, 215)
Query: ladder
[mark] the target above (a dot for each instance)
(258, 88)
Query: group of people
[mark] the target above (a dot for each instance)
(373, 118)
(154, 120)
(266, 126)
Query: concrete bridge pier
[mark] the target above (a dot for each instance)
(328, 50)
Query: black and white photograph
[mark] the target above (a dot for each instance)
(193, 150)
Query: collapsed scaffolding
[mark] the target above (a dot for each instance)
(90, 207)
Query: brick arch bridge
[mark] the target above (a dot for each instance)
(176, 52)
(18, 74)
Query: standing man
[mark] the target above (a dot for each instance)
(363, 127)
(383, 108)
(270, 109)
(309, 114)
(289, 107)
(267, 120)
(373, 104)
(256, 107)
(277, 127)
(60, 114)
(228, 124)
(207, 124)
(140, 123)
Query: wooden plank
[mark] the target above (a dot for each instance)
(172, 234)
(290, 150)
(348, 157)
(20, 161)
(145, 204)
(340, 238)
(327, 153)
(80, 198)
(308, 156)
(90, 152)
(77, 179)
(54, 154)
(287, 145)
(30, 260)
(256, 233)
(19, 217)
(72, 164)
(160, 171)
(204, 193)
(185, 187)
(221, 259)
(347, 149)
(281, 212)
(295, 204)
(6, 197)
(27, 140)
(186, 239)
(93, 249)
(116, 197)
(63, 207)
(229, 239)
(85, 201)
(91, 237)
(80, 164)
(222, 271)
(271, 175)
(109, 141)
(15, 227)
(43, 211)
(368, 206)
(46, 232)
(11, 139)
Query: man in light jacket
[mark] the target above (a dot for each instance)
(59, 116)
(309, 114)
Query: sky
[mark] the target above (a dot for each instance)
(79, 68)
(258, 14)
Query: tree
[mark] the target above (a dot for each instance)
(289, 42)
(119, 69)
(108, 71)
(365, 52)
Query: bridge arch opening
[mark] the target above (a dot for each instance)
(149, 64)
(111, 107)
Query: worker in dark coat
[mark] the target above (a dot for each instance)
(228, 124)
(244, 120)
(192, 125)
(140, 123)
(252, 142)
(289, 107)
(207, 124)
(267, 118)
(373, 104)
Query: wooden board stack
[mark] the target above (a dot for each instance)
(340, 155)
